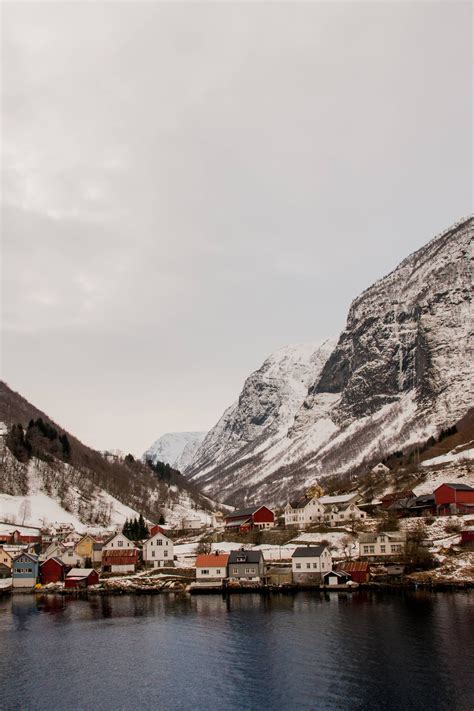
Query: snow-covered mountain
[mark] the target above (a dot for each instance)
(401, 370)
(262, 415)
(175, 448)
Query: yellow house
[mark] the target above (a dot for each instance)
(85, 546)
(5, 558)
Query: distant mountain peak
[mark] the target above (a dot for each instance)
(175, 448)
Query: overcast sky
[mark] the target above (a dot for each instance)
(187, 187)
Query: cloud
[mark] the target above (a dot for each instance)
(188, 186)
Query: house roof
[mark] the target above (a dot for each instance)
(56, 560)
(354, 566)
(213, 560)
(339, 573)
(396, 495)
(80, 572)
(240, 513)
(120, 553)
(458, 487)
(342, 499)
(309, 551)
(300, 503)
(238, 521)
(392, 535)
(247, 557)
(32, 557)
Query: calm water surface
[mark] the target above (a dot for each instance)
(308, 651)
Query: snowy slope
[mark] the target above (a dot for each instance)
(175, 448)
(264, 412)
(401, 370)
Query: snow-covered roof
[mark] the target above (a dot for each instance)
(341, 499)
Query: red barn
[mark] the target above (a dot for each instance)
(358, 570)
(248, 519)
(52, 570)
(78, 578)
(19, 534)
(454, 498)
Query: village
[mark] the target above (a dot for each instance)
(318, 541)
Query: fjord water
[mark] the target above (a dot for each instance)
(304, 651)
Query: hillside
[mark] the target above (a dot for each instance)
(400, 373)
(38, 459)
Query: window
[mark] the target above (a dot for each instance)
(315, 565)
(120, 544)
(371, 549)
(298, 566)
(153, 554)
(235, 570)
(308, 565)
(218, 571)
(250, 570)
(382, 549)
(159, 542)
(205, 572)
(396, 549)
(366, 549)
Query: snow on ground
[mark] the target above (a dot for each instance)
(42, 509)
(450, 474)
(463, 456)
(39, 509)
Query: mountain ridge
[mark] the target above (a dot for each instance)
(400, 371)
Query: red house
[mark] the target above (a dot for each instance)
(454, 498)
(52, 570)
(248, 519)
(79, 578)
(358, 570)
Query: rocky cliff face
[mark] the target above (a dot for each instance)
(401, 370)
(262, 415)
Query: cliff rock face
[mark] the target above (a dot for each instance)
(262, 415)
(401, 370)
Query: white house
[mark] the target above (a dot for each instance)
(342, 508)
(381, 545)
(191, 524)
(158, 551)
(332, 510)
(304, 512)
(380, 468)
(309, 563)
(118, 542)
(212, 566)
(68, 554)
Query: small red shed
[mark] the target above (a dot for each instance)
(52, 570)
(79, 578)
(358, 570)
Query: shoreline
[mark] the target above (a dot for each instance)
(438, 587)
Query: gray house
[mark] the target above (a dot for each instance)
(246, 565)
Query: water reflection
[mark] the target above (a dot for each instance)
(310, 651)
